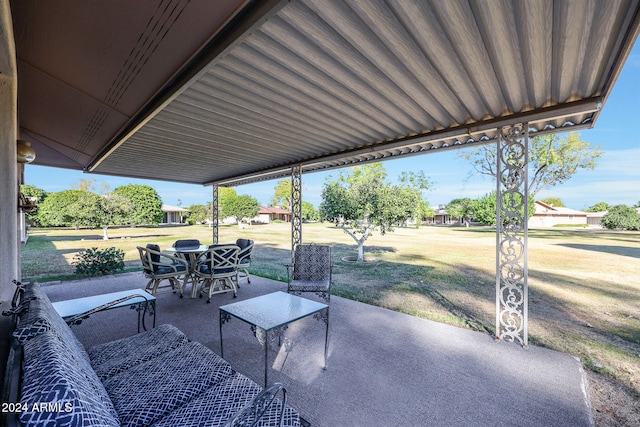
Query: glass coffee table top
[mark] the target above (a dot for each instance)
(273, 310)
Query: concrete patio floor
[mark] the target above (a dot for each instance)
(384, 368)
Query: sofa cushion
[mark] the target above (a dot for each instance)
(113, 357)
(42, 317)
(149, 391)
(28, 330)
(219, 403)
(60, 388)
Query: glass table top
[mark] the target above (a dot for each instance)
(200, 248)
(273, 310)
(76, 306)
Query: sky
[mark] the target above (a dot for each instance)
(615, 180)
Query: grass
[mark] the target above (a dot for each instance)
(584, 291)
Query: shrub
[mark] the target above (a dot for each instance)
(621, 217)
(96, 262)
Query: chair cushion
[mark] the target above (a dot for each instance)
(165, 269)
(154, 257)
(60, 388)
(149, 391)
(220, 402)
(309, 285)
(204, 269)
(243, 243)
(113, 357)
(187, 244)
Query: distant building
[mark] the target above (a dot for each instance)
(173, 214)
(273, 213)
(549, 216)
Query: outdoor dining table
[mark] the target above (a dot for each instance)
(191, 255)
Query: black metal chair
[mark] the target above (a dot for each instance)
(158, 266)
(244, 258)
(311, 271)
(218, 269)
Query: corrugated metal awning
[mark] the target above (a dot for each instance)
(331, 83)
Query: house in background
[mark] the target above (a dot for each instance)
(273, 213)
(549, 216)
(173, 214)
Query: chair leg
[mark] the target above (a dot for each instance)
(149, 287)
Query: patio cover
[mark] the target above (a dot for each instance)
(236, 91)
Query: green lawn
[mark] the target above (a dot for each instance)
(584, 290)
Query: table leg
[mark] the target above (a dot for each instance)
(149, 307)
(224, 318)
(326, 338)
(324, 317)
(266, 356)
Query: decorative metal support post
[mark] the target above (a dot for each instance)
(512, 213)
(296, 207)
(216, 214)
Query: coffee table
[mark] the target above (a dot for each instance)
(74, 311)
(269, 316)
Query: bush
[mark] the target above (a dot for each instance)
(621, 217)
(96, 262)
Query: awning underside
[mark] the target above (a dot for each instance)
(330, 83)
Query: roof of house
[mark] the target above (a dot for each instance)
(542, 208)
(274, 210)
(169, 208)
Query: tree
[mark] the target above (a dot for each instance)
(461, 209)
(86, 210)
(484, 208)
(54, 210)
(147, 205)
(424, 211)
(553, 201)
(84, 185)
(552, 159)
(241, 207)
(621, 217)
(598, 207)
(309, 212)
(419, 181)
(32, 192)
(198, 213)
(282, 194)
(114, 209)
(224, 194)
(361, 201)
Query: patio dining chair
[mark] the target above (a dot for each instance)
(158, 266)
(311, 271)
(244, 259)
(218, 269)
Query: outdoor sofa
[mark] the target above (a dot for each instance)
(155, 378)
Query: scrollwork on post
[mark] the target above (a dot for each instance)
(216, 216)
(512, 197)
(296, 207)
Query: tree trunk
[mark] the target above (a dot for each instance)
(359, 241)
(361, 251)
(105, 234)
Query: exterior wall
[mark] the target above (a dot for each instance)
(554, 219)
(172, 218)
(10, 172)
